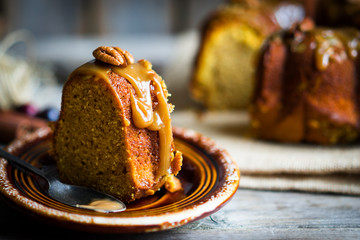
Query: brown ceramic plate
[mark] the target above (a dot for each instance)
(209, 177)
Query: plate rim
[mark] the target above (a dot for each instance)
(114, 224)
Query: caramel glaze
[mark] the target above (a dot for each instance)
(102, 205)
(142, 78)
(329, 45)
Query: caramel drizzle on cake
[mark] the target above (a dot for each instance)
(329, 44)
(144, 80)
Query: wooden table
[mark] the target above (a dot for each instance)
(250, 214)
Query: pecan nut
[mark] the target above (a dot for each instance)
(113, 55)
(126, 55)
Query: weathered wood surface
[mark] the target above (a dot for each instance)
(250, 215)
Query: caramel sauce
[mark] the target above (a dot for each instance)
(141, 104)
(350, 37)
(103, 205)
(331, 45)
(141, 76)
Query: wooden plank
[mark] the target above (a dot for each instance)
(249, 215)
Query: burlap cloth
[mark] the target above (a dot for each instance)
(275, 166)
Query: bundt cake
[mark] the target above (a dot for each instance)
(307, 86)
(114, 131)
(223, 76)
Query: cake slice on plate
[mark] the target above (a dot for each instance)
(114, 131)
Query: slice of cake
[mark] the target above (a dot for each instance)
(114, 131)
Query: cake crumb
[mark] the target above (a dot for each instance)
(173, 184)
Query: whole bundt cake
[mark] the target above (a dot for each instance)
(307, 86)
(114, 131)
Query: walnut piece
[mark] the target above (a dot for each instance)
(113, 55)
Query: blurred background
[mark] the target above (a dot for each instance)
(43, 41)
(57, 36)
(102, 17)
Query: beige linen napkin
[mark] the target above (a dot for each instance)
(276, 166)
